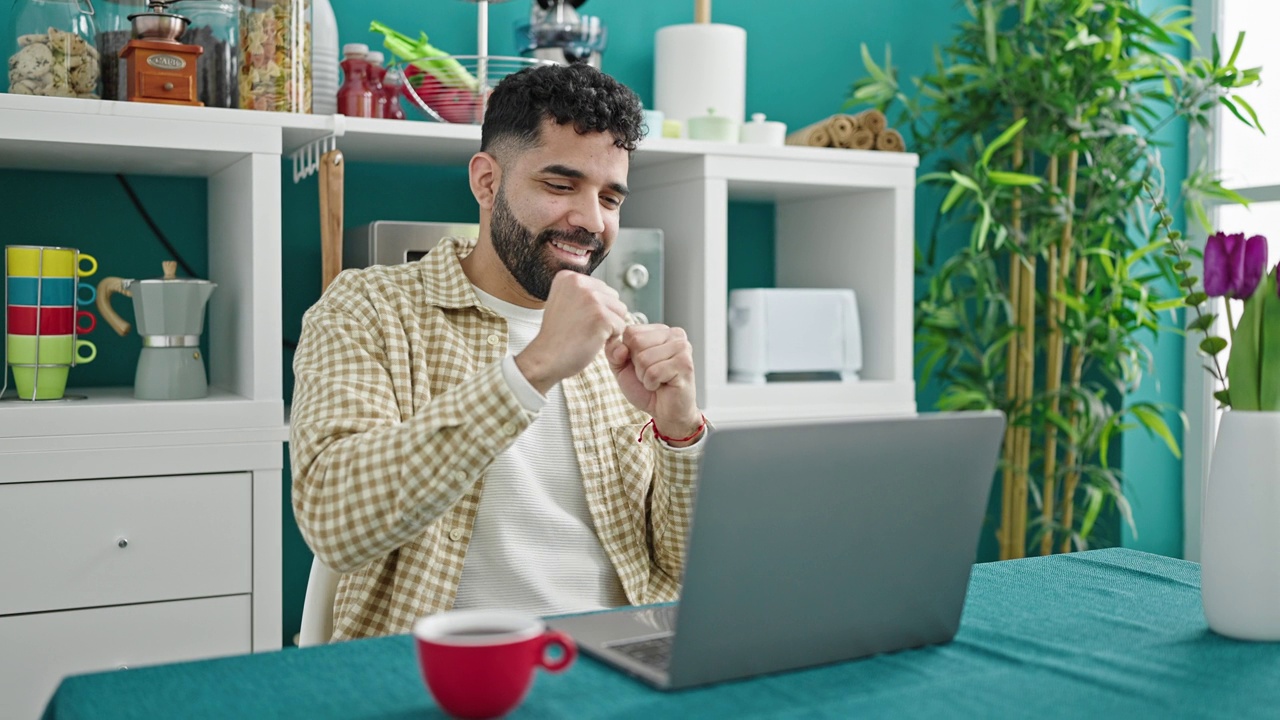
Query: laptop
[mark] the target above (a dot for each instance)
(814, 544)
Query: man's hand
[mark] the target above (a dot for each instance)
(581, 314)
(654, 367)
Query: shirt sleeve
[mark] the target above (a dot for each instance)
(671, 514)
(369, 475)
(526, 393)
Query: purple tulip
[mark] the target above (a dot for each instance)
(1233, 266)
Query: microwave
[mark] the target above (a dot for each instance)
(633, 266)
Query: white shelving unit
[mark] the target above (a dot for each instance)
(844, 219)
(137, 532)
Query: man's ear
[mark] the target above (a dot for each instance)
(485, 175)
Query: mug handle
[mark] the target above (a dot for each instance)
(568, 651)
(93, 322)
(81, 257)
(93, 293)
(93, 352)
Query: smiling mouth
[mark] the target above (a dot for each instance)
(571, 252)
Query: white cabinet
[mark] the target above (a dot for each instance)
(140, 531)
(39, 650)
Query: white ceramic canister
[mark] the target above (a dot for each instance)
(763, 132)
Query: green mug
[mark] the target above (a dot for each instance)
(41, 383)
(49, 350)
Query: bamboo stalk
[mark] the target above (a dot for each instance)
(1060, 262)
(1026, 362)
(1072, 479)
(1026, 377)
(1013, 382)
(1010, 391)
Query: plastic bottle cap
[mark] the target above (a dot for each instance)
(757, 117)
(355, 50)
(374, 57)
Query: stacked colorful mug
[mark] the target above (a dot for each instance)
(41, 294)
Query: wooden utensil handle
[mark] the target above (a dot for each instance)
(702, 11)
(331, 210)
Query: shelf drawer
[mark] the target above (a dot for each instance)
(37, 651)
(89, 543)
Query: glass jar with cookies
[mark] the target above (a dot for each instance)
(51, 49)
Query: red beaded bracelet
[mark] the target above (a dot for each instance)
(701, 426)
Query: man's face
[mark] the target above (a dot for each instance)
(557, 206)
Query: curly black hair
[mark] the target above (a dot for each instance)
(577, 93)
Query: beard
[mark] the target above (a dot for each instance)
(530, 259)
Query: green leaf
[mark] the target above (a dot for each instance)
(1188, 282)
(1249, 109)
(1243, 366)
(953, 197)
(1269, 347)
(1231, 106)
(1061, 423)
(1028, 10)
(1170, 304)
(966, 181)
(1003, 139)
(1224, 397)
(1091, 510)
(1012, 178)
(1235, 52)
(1213, 345)
(872, 68)
(1153, 421)
(1202, 323)
(1195, 299)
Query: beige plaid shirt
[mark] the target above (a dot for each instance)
(400, 405)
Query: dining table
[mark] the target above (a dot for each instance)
(1101, 633)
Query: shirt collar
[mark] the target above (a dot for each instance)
(443, 281)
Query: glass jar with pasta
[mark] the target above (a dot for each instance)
(275, 55)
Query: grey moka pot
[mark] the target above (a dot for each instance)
(170, 316)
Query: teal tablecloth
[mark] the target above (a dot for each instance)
(1108, 633)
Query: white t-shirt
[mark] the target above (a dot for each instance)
(534, 547)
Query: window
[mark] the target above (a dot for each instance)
(1249, 163)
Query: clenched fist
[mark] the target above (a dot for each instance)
(654, 368)
(581, 315)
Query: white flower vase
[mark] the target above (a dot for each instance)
(1240, 534)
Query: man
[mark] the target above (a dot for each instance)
(483, 427)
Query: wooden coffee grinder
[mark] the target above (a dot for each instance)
(161, 69)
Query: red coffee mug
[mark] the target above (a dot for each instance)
(53, 320)
(480, 663)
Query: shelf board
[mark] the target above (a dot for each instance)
(108, 410)
(99, 136)
(43, 133)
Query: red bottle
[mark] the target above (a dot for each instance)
(355, 97)
(376, 74)
(392, 86)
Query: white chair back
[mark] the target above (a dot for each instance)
(317, 606)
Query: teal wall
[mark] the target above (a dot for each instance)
(1152, 475)
(802, 58)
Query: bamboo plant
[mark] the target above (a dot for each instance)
(1044, 119)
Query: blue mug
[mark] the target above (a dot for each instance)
(49, 291)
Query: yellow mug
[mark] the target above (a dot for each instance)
(40, 261)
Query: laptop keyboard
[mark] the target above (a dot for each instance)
(654, 652)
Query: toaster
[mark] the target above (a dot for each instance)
(803, 332)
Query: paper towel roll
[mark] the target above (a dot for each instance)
(700, 66)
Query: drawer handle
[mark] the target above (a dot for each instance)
(123, 667)
(123, 542)
(168, 86)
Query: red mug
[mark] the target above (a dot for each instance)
(53, 320)
(480, 663)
